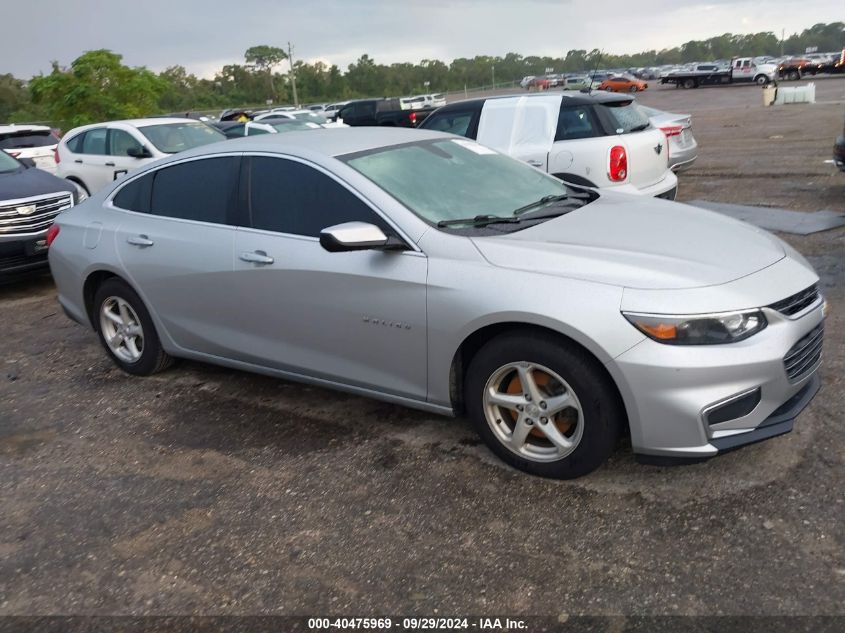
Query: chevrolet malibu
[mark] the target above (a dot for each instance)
(429, 271)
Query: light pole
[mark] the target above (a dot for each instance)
(493, 71)
(292, 75)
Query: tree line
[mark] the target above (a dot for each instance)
(97, 86)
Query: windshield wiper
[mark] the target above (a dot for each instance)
(479, 220)
(640, 128)
(540, 203)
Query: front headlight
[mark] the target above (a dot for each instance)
(704, 329)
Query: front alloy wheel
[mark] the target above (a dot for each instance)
(543, 404)
(533, 411)
(122, 329)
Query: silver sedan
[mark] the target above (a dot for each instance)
(429, 271)
(683, 148)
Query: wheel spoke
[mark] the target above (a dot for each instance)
(504, 400)
(124, 313)
(520, 432)
(529, 385)
(554, 435)
(134, 330)
(114, 339)
(132, 347)
(111, 316)
(555, 404)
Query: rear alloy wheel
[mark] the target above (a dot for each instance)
(761, 80)
(542, 406)
(689, 83)
(609, 89)
(127, 331)
(633, 89)
(793, 75)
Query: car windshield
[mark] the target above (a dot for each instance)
(313, 117)
(7, 163)
(30, 138)
(449, 179)
(177, 137)
(293, 125)
(627, 115)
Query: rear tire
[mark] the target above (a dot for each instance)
(690, 83)
(126, 330)
(541, 438)
(793, 75)
(761, 80)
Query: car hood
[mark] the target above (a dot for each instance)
(637, 242)
(24, 183)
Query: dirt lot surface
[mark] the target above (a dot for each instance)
(204, 490)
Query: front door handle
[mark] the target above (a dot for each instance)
(78, 160)
(256, 257)
(109, 164)
(140, 240)
(535, 163)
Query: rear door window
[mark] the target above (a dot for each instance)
(205, 190)
(576, 122)
(135, 196)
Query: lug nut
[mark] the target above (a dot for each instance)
(519, 407)
(543, 420)
(529, 421)
(542, 404)
(528, 397)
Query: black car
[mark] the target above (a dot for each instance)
(30, 199)
(839, 151)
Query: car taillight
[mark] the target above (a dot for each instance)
(618, 164)
(52, 234)
(672, 130)
(14, 154)
(56, 156)
(413, 118)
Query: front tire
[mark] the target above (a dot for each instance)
(126, 330)
(761, 80)
(543, 405)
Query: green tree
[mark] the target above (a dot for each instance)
(264, 58)
(96, 87)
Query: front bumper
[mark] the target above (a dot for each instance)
(668, 390)
(22, 256)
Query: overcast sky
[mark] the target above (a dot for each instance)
(203, 35)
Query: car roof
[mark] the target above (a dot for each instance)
(314, 144)
(138, 123)
(577, 98)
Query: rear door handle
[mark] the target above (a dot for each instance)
(140, 240)
(109, 164)
(78, 160)
(256, 257)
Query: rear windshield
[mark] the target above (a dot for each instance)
(177, 137)
(626, 116)
(21, 140)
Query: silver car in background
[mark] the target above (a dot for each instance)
(427, 270)
(683, 148)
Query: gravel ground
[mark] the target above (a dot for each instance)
(204, 490)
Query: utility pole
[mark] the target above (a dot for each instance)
(782, 36)
(493, 70)
(292, 75)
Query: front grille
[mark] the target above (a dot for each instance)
(13, 222)
(805, 355)
(797, 302)
(10, 262)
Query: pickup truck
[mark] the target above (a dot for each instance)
(385, 112)
(742, 69)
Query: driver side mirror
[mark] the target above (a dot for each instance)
(139, 152)
(357, 236)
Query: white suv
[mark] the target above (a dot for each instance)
(596, 140)
(92, 156)
(37, 142)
